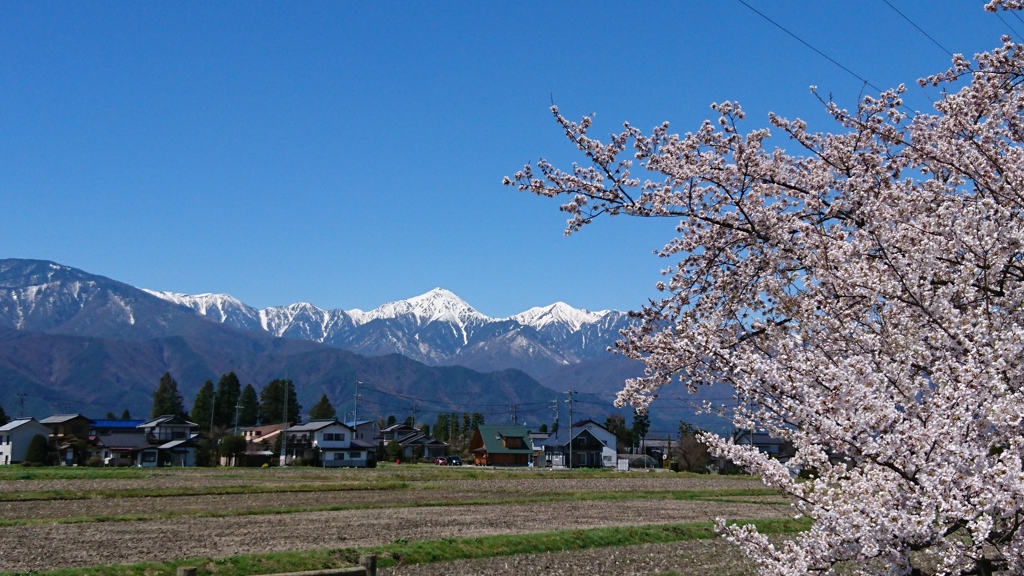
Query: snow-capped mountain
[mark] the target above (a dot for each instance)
(437, 328)
(560, 314)
(70, 338)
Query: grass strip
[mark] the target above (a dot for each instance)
(428, 551)
(35, 495)
(694, 495)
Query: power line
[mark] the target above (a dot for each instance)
(919, 29)
(802, 41)
(1012, 29)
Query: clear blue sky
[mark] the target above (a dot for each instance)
(350, 154)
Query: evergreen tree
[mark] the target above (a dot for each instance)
(232, 446)
(202, 408)
(466, 427)
(126, 415)
(38, 450)
(110, 416)
(248, 407)
(477, 419)
(616, 424)
(391, 420)
(543, 429)
(229, 390)
(167, 399)
(394, 451)
(425, 429)
(442, 431)
(322, 410)
(272, 402)
(4, 418)
(641, 424)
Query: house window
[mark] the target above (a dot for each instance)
(513, 442)
(177, 434)
(339, 455)
(354, 455)
(149, 457)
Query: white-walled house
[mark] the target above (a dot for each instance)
(329, 443)
(609, 454)
(15, 437)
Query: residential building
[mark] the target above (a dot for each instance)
(501, 446)
(414, 443)
(15, 437)
(609, 452)
(328, 443)
(117, 442)
(69, 436)
(170, 442)
(583, 450)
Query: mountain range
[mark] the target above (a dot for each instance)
(71, 341)
(437, 328)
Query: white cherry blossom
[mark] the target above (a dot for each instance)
(863, 293)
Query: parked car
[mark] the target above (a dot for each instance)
(454, 461)
(441, 461)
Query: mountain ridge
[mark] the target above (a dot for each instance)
(437, 328)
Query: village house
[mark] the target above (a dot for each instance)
(328, 443)
(501, 446)
(583, 450)
(15, 437)
(171, 442)
(609, 453)
(117, 442)
(69, 436)
(415, 444)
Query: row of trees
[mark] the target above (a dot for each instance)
(229, 404)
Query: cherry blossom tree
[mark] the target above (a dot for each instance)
(862, 293)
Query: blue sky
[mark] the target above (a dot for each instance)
(350, 154)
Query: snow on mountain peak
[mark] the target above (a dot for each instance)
(436, 305)
(560, 313)
(202, 303)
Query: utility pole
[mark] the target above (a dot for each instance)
(415, 409)
(355, 408)
(21, 404)
(513, 408)
(284, 428)
(238, 406)
(569, 392)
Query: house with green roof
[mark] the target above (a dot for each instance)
(501, 446)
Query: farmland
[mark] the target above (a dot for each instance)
(267, 520)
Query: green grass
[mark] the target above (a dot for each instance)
(427, 551)
(204, 491)
(69, 473)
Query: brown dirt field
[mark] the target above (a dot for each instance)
(53, 545)
(695, 558)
